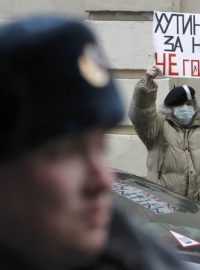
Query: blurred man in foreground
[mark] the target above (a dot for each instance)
(57, 98)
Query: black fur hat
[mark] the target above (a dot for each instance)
(179, 95)
(53, 82)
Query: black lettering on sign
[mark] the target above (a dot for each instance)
(187, 24)
(194, 44)
(159, 20)
(174, 45)
(177, 16)
(195, 69)
(183, 25)
(195, 25)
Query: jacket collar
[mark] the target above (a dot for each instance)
(168, 115)
(195, 122)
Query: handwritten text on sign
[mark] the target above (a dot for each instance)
(176, 38)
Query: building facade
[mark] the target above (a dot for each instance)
(124, 29)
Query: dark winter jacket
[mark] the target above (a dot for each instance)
(128, 248)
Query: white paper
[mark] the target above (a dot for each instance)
(176, 40)
(183, 240)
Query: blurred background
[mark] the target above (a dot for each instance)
(124, 29)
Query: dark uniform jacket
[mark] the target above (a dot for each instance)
(128, 248)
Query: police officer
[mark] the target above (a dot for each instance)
(57, 99)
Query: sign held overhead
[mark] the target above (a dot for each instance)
(176, 39)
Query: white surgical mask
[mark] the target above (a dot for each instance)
(184, 114)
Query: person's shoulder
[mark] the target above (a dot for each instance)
(136, 249)
(11, 259)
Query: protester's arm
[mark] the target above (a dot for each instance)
(142, 112)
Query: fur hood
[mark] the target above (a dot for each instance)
(168, 113)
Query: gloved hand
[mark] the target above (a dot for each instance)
(151, 73)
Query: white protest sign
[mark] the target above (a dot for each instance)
(176, 38)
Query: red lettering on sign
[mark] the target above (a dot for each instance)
(172, 64)
(184, 60)
(195, 72)
(163, 63)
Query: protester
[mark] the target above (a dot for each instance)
(170, 135)
(57, 99)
